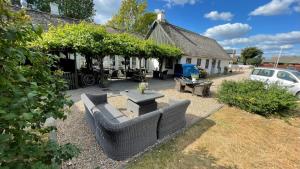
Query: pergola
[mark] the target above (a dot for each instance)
(94, 42)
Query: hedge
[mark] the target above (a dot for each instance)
(256, 97)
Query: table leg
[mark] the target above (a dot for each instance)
(142, 107)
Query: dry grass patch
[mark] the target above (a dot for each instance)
(231, 138)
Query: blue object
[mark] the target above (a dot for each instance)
(185, 70)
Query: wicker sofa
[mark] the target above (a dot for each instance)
(121, 137)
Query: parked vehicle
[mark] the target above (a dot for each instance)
(290, 79)
(185, 70)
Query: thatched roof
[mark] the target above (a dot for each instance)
(191, 43)
(284, 59)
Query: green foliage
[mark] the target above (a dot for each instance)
(254, 96)
(78, 9)
(132, 17)
(203, 73)
(143, 24)
(84, 38)
(251, 55)
(30, 93)
(93, 40)
(42, 5)
(256, 61)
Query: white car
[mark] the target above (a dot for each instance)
(290, 79)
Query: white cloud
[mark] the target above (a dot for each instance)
(297, 8)
(105, 9)
(277, 39)
(275, 7)
(289, 41)
(158, 10)
(171, 3)
(215, 15)
(228, 31)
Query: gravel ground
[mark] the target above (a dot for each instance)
(74, 129)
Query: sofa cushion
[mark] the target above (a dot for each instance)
(111, 113)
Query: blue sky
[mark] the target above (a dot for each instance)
(268, 24)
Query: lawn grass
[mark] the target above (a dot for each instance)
(230, 138)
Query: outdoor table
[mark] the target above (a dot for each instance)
(141, 103)
(190, 82)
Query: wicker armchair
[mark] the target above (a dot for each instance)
(179, 85)
(189, 88)
(202, 89)
(172, 118)
(163, 75)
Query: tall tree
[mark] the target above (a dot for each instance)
(251, 55)
(132, 17)
(78, 9)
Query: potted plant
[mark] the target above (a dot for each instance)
(195, 77)
(203, 73)
(142, 87)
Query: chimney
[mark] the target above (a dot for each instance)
(161, 16)
(54, 8)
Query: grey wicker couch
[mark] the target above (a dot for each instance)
(172, 118)
(119, 136)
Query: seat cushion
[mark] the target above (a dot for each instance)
(111, 113)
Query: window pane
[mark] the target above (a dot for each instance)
(266, 72)
(169, 63)
(285, 76)
(206, 63)
(198, 62)
(255, 71)
(297, 74)
(188, 60)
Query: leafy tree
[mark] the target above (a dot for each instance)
(78, 9)
(30, 93)
(143, 24)
(253, 53)
(256, 61)
(132, 17)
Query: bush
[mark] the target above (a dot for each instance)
(29, 94)
(202, 73)
(254, 96)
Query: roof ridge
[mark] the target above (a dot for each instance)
(186, 30)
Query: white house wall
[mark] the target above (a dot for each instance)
(203, 60)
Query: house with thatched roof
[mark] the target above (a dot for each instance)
(199, 50)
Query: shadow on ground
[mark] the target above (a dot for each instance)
(172, 154)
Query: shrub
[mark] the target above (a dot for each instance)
(29, 94)
(256, 97)
(203, 73)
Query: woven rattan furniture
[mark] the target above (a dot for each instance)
(172, 118)
(179, 85)
(202, 89)
(141, 103)
(119, 136)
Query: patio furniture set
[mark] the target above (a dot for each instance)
(198, 87)
(121, 137)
